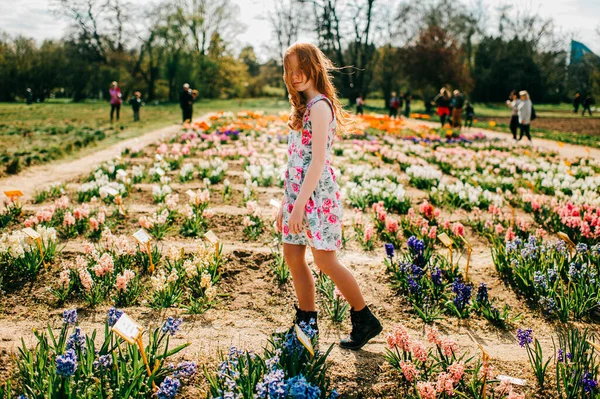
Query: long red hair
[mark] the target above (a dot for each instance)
(316, 66)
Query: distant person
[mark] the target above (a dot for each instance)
(28, 96)
(407, 101)
(136, 104)
(186, 101)
(360, 102)
(587, 105)
(442, 101)
(115, 100)
(394, 105)
(577, 100)
(458, 102)
(429, 107)
(513, 103)
(469, 114)
(525, 114)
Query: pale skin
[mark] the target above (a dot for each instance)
(326, 261)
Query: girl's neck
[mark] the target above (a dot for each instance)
(310, 94)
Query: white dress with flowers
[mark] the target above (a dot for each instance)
(323, 212)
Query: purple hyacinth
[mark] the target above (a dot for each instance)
(561, 355)
(66, 364)
(168, 388)
(482, 294)
(113, 316)
(272, 385)
(76, 341)
(417, 250)
(186, 370)
(413, 286)
(524, 337)
(70, 316)
(389, 250)
(298, 387)
(463, 294)
(589, 384)
(104, 362)
(436, 276)
(171, 326)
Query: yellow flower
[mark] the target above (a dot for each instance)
(492, 124)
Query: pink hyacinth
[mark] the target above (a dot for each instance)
(101, 217)
(458, 229)
(86, 279)
(391, 225)
(504, 388)
(514, 395)
(446, 225)
(123, 279)
(399, 338)
(448, 346)
(409, 370)
(368, 233)
(145, 222)
(433, 233)
(499, 229)
(162, 149)
(88, 247)
(94, 225)
(510, 235)
(32, 221)
(69, 220)
(445, 383)
(457, 371)
(65, 278)
(426, 209)
(62, 202)
(426, 390)
(433, 335)
(419, 351)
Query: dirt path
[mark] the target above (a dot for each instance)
(564, 151)
(40, 176)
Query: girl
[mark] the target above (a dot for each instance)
(311, 211)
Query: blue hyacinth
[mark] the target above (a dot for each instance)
(561, 355)
(436, 276)
(582, 247)
(524, 337)
(589, 384)
(168, 388)
(413, 286)
(113, 316)
(70, 316)
(482, 294)
(389, 250)
(104, 362)
(66, 364)
(185, 370)
(463, 294)
(272, 386)
(299, 388)
(76, 341)
(171, 326)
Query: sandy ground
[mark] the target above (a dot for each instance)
(255, 305)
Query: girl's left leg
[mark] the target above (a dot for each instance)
(365, 325)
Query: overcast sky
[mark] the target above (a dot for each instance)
(32, 18)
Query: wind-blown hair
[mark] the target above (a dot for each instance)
(316, 66)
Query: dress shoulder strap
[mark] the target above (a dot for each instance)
(319, 98)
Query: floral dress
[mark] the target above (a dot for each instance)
(322, 222)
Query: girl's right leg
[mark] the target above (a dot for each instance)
(304, 285)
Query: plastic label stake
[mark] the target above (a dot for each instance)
(35, 236)
(144, 238)
(304, 340)
(447, 243)
(213, 239)
(469, 250)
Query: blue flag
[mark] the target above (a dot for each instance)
(579, 51)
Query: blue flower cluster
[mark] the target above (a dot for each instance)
(113, 316)
(413, 286)
(70, 316)
(463, 294)
(436, 276)
(524, 337)
(104, 362)
(299, 388)
(389, 250)
(417, 249)
(168, 388)
(77, 341)
(588, 382)
(482, 294)
(185, 370)
(274, 386)
(171, 326)
(66, 364)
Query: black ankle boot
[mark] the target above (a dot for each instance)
(308, 317)
(364, 327)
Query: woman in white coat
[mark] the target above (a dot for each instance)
(525, 110)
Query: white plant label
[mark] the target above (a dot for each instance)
(142, 236)
(211, 237)
(512, 380)
(127, 328)
(31, 233)
(111, 191)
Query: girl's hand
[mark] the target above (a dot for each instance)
(279, 220)
(296, 218)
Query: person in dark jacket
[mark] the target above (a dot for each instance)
(136, 103)
(407, 101)
(458, 102)
(186, 101)
(360, 103)
(513, 102)
(587, 105)
(577, 102)
(469, 114)
(29, 96)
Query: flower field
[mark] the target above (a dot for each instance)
(480, 256)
